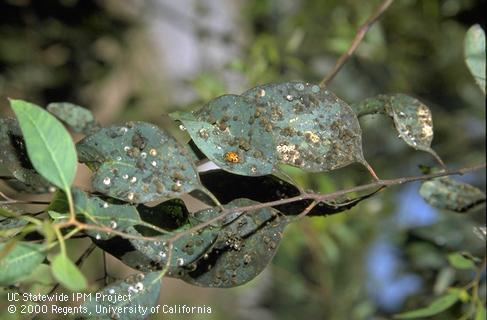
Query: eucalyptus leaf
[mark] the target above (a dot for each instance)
(439, 305)
(225, 127)
(76, 117)
(13, 155)
(412, 118)
(67, 273)
(291, 123)
(186, 249)
(313, 128)
(9, 211)
(138, 162)
(49, 146)
(474, 50)
(123, 250)
(144, 290)
(10, 227)
(19, 261)
(242, 242)
(169, 215)
(101, 213)
(458, 261)
(246, 244)
(37, 185)
(449, 194)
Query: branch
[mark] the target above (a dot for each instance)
(356, 41)
(316, 197)
(328, 196)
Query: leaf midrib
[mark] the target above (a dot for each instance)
(19, 257)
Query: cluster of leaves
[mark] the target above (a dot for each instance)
(135, 164)
(448, 194)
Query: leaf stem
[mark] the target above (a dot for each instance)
(72, 213)
(60, 238)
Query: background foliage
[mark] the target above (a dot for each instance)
(390, 254)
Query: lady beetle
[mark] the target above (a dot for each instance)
(231, 157)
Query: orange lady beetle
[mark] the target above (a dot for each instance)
(231, 157)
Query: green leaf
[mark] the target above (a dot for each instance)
(246, 244)
(313, 128)
(291, 123)
(474, 50)
(19, 262)
(77, 118)
(458, 261)
(222, 127)
(9, 211)
(101, 213)
(59, 202)
(49, 146)
(437, 306)
(10, 227)
(67, 273)
(187, 248)
(480, 313)
(154, 253)
(144, 290)
(40, 277)
(169, 215)
(138, 162)
(412, 118)
(446, 193)
(13, 155)
(36, 185)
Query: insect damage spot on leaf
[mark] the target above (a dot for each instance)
(138, 162)
(412, 119)
(446, 193)
(246, 244)
(186, 249)
(144, 255)
(225, 131)
(96, 211)
(313, 129)
(143, 289)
